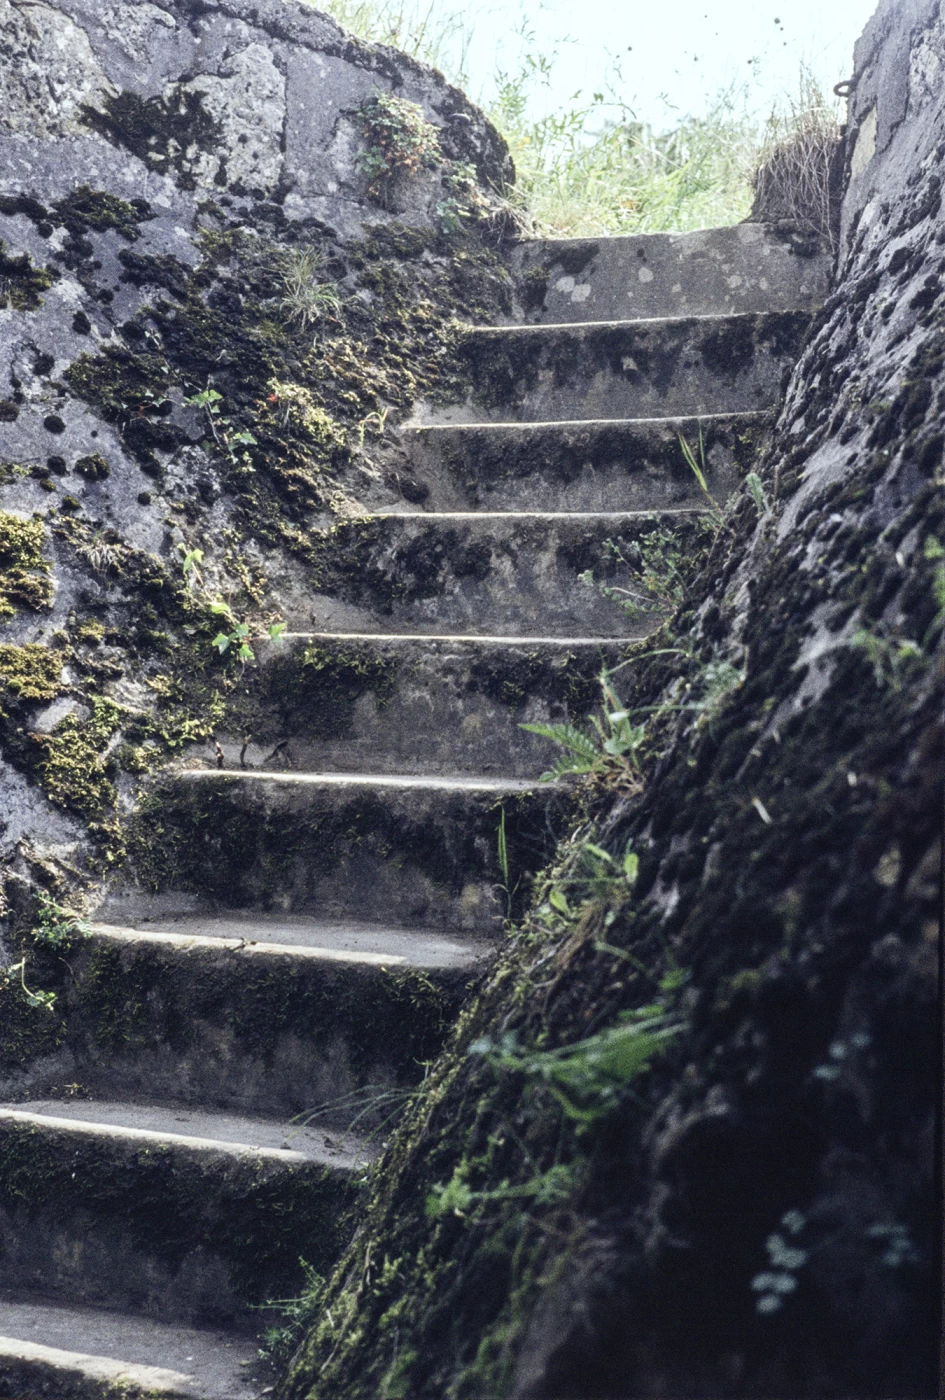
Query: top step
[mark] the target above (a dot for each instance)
(713, 272)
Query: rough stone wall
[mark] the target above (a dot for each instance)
(170, 176)
(758, 1216)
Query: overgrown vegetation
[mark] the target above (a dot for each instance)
(593, 168)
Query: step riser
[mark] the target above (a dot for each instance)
(649, 369)
(259, 1033)
(600, 466)
(496, 575)
(50, 1372)
(744, 268)
(173, 1232)
(430, 707)
(418, 857)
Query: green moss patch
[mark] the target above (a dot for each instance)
(30, 672)
(24, 570)
(22, 283)
(86, 208)
(75, 771)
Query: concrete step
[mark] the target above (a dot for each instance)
(419, 704)
(63, 1352)
(747, 267)
(628, 369)
(187, 1216)
(267, 1015)
(635, 464)
(488, 572)
(411, 851)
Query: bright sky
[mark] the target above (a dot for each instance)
(674, 54)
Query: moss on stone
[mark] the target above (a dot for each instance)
(85, 208)
(22, 283)
(30, 672)
(74, 770)
(24, 569)
(158, 130)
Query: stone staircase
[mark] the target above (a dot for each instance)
(324, 897)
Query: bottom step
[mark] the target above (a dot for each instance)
(192, 1217)
(89, 1354)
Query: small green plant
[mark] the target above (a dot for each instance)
(896, 1243)
(307, 296)
(46, 1000)
(239, 634)
(589, 1079)
(376, 422)
(719, 680)
(777, 1282)
(615, 743)
(55, 925)
(756, 491)
(697, 464)
(594, 874)
(890, 657)
(465, 202)
(503, 859)
(456, 1197)
(400, 142)
(298, 1314)
(232, 440)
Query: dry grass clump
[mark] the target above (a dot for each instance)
(797, 176)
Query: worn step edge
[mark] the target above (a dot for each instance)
(585, 424)
(433, 516)
(81, 1376)
(451, 638)
(580, 328)
(91, 1129)
(89, 1353)
(397, 781)
(247, 948)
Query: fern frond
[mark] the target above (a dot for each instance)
(570, 738)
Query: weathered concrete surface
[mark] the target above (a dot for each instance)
(749, 267)
(893, 108)
(183, 1228)
(69, 1352)
(618, 370)
(604, 466)
(201, 1013)
(447, 574)
(254, 98)
(413, 851)
(412, 704)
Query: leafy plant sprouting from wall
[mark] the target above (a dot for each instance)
(399, 141)
(235, 636)
(613, 742)
(589, 1078)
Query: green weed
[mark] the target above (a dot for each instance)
(589, 1079)
(232, 440)
(614, 743)
(307, 296)
(400, 142)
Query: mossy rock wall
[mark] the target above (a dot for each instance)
(212, 315)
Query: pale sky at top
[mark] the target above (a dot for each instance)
(679, 52)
